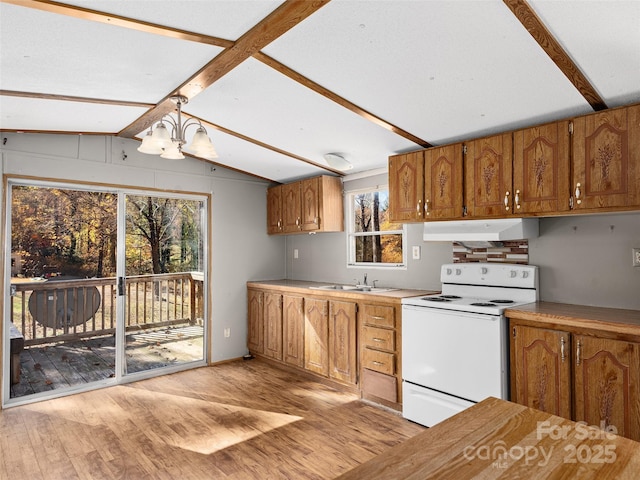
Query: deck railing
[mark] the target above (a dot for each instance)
(51, 311)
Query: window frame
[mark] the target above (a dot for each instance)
(351, 234)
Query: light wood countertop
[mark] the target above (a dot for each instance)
(534, 444)
(304, 287)
(582, 319)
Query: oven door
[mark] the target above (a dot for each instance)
(457, 353)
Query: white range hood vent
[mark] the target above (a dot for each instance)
(481, 230)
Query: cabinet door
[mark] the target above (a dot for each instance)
(488, 175)
(606, 159)
(255, 336)
(293, 330)
(541, 180)
(310, 196)
(443, 182)
(316, 336)
(406, 187)
(541, 371)
(274, 210)
(607, 378)
(273, 325)
(342, 341)
(291, 205)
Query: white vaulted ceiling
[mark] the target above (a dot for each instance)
(284, 82)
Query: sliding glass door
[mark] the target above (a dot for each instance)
(100, 285)
(163, 285)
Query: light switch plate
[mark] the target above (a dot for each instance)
(416, 252)
(636, 257)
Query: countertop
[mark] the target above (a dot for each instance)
(533, 444)
(581, 317)
(304, 287)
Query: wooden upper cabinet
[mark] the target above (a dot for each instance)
(406, 187)
(606, 159)
(488, 176)
(443, 195)
(275, 221)
(541, 158)
(311, 205)
(607, 375)
(541, 369)
(291, 207)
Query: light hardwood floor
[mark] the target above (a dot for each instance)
(239, 420)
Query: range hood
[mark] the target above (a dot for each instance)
(481, 230)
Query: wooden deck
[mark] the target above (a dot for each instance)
(64, 364)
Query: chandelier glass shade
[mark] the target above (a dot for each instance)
(169, 145)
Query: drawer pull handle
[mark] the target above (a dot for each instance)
(377, 317)
(377, 364)
(578, 353)
(378, 339)
(562, 354)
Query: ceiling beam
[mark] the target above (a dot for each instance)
(283, 69)
(530, 20)
(278, 22)
(110, 19)
(70, 98)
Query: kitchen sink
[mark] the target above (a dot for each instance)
(354, 288)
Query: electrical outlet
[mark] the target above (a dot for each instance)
(227, 332)
(636, 257)
(416, 252)
(295, 253)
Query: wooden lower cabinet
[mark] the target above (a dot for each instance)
(541, 369)
(353, 342)
(273, 325)
(316, 336)
(293, 330)
(581, 377)
(607, 378)
(255, 328)
(343, 356)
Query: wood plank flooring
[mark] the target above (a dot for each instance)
(240, 420)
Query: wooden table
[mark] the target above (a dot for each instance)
(500, 439)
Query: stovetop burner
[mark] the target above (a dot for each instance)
(437, 299)
(501, 301)
(452, 297)
(482, 304)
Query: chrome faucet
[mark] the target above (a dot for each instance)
(365, 279)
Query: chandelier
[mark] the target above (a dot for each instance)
(169, 145)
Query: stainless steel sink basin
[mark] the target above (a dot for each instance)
(354, 288)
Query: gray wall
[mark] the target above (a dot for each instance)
(240, 249)
(583, 259)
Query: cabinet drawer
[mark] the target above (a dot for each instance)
(379, 316)
(382, 362)
(383, 386)
(378, 338)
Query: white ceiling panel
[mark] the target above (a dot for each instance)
(54, 54)
(228, 19)
(603, 38)
(17, 113)
(241, 155)
(263, 104)
(442, 70)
